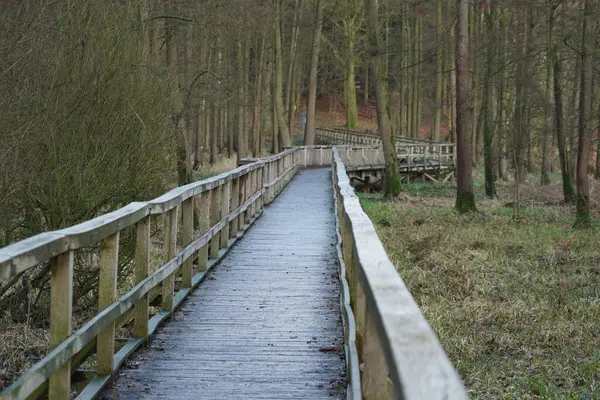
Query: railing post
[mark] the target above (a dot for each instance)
(265, 180)
(425, 156)
(188, 236)
(61, 311)
(249, 191)
(279, 172)
(241, 219)
(142, 269)
(225, 202)
(235, 204)
(268, 181)
(169, 246)
(215, 217)
(261, 185)
(439, 173)
(255, 189)
(205, 218)
(107, 294)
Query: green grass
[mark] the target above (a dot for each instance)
(516, 305)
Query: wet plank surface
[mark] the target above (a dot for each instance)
(266, 322)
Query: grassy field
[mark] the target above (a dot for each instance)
(515, 304)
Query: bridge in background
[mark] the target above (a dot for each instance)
(419, 159)
(268, 281)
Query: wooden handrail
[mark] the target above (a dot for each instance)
(237, 199)
(393, 337)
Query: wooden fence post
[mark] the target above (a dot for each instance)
(187, 237)
(205, 218)
(254, 186)
(241, 219)
(249, 188)
(215, 217)
(235, 204)
(169, 246)
(225, 202)
(142, 269)
(61, 312)
(107, 294)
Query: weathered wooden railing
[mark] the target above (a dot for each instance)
(227, 204)
(399, 353)
(410, 150)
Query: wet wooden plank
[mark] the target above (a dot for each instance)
(257, 327)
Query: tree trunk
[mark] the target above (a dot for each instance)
(393, 185)
(440, 74)
(584, 217)
(473, 24)
(284, 132)
(184, 173)
(573, 114)
(568, 188)
(367, 84)
(309, 138)
(452, 91)
(546, 139)
(258, 102)
(290, 100)
(597, 170)
(351, 110)
(465, 198)
(242, 139)
(488, 104)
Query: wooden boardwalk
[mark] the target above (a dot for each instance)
(266, 323)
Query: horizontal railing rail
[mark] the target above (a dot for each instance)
(400, 355)
(235, 199)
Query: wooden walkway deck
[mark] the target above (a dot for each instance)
(266, 323)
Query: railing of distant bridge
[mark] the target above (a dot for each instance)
(410, 150)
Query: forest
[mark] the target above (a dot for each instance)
(106, 103)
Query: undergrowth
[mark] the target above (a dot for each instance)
(516, 305)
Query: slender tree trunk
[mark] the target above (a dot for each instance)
(573, 113)
(242, 139)
(452, 67)
(440, 73)
(351, 110)
(488, 104)
(584, 217)
(521, 126)
(393, 185)
(465, 198)
(258, 102)
(309, 138)
(367, 84)
(546, 139)
(275, 124)
(597, 170)
(284, 132)
(419, 73)
(183, 171)
(568, 188)
(474, 24)
(414, 129)
(293, 67)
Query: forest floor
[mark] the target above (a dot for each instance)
(516, 305)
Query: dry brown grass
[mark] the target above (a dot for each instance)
(515, 304)
(21, 345)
